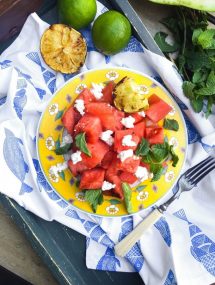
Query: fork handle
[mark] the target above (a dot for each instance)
(129, 241)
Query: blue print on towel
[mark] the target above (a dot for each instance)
(202, 248)
(108, 261)
(27, 78)
(170, 280)
(164, 230)
(126, 227)
(135, 257)
(15, 160)
(88, 37)
(193, 134)
(3, 100)
(95, 231)
(5, 64)
(134, 46)
(42, 183)
(49, 77)
(19, 102)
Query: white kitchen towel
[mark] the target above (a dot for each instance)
(180, 247)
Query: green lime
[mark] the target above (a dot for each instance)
(111, 32)
(77, 13)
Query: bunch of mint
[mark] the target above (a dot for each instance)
(195, 58)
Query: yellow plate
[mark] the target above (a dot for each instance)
(50, 130)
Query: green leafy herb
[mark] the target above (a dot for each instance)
(142, 148)
(80, 142)
(127, 195)
(175, 158)
(157, 170)
(63, 149)
(94, 198)
(160, 39)
(160, 152)
(171, 124)
(196, 55)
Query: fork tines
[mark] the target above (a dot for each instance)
(197, 172)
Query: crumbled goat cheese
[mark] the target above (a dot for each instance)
(76, 157)
(127, 141)
(123, 155)
(142, 173)
(54, 169)
(97, 90)
(66, 139)
(142, 114)
(62, 166)
(128, 122)
(107, 186)
(106, 137)
(79, 105)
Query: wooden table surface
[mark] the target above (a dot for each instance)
(16, 253)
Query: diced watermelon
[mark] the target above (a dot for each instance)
(128, 177)
(139, 129)
(158, 109)
(118, 115)
(137, 117)
(107, 160)
(107, 114)
(86, 95)
(76, 168)
(119, 135)
(153, 99)
(92, 179)
(118, 192)
(155, 135)
(69, 119)
(90, 125)
(130, 164)
(98, 151)
(108, 93)
(112, 169)
(146, 165)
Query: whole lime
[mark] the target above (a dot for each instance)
(111, 32)
(77, 13)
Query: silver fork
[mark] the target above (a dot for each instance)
(186, 182)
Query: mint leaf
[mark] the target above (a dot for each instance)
(142, 148)
(127, 196)
(188, 89)
(171, 124)
(197, 104)
(205, 91)
(94, 198)
(175, 158)
(80, 142)
(206, 39)
(157, 170)
(63, 149)
(160, 39)
(160, 152)
(195, 36)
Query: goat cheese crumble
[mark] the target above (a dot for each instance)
(127, 141)
(76, 157)
(128, 122)
(107, 137)
(97, 90)
(79, 105)
(142, 114)
(142, 173)
(107, 186)
(66, 139)
(123, 155)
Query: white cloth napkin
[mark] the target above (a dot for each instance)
(180, 247)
